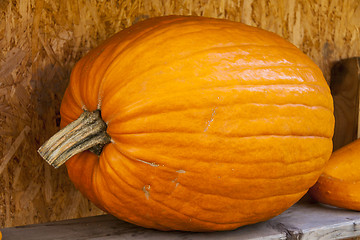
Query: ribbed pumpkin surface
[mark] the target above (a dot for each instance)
(339, 184)
(214, 124)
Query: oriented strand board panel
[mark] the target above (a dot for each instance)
(41, 40)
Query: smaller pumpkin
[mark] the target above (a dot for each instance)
(339, 184)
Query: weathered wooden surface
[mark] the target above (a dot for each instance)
(304, 220)
(345, 78)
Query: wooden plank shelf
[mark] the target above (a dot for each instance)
(304, 220)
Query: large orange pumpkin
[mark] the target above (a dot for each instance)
(213, 124)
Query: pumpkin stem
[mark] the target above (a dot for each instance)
(88, 132)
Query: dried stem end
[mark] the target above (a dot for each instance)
(88, 132)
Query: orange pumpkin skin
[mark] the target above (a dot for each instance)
(214, 124)
(339, 184)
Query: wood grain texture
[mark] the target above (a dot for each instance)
(345, 78)
(40, 41)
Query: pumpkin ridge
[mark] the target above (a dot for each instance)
(219, 223)
(153, 163)
(67, 115)
(135, 159)
(154, 113)
(284, 66)
(174, 59)
(241, 47)
(226, 136)
(217, 194)
(247, 200)
(133, 41)
(128, 155)
(162, 161)
(262, 82)
(259, 178)
(245, 86)
(100, 171)
(94, 188)
(239, 167)
(227, 197)
(124, 47)
(89, 61)
(74, 93)
(102, 168)
(185, 23)
(228, 177)
(192, 217)
(134, 188)
(304, 173)
(238, 68)
(138, 107)
(238, 55)
(247, 118)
